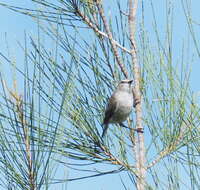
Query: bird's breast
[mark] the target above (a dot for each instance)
(125, 99)
(124, 107)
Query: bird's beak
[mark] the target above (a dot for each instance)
(130, 81)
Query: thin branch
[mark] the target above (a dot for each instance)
(113, 43)
(96, 30)
(169, 149)
(18, 102)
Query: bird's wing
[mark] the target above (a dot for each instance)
(111, 109)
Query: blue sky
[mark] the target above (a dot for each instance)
(14, 25)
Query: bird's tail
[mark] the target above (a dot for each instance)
(104, 130)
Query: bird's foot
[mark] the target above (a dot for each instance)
(136, 102)
(139, 130)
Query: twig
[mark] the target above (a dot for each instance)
(170, 148)
(92, 26)
(112, 42)
(18, 102)
(116, 161)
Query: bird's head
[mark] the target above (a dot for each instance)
(125, 85)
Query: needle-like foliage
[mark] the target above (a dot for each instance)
(51, 116)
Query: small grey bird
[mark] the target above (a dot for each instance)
(120, 104)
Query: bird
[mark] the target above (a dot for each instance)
(119, 105)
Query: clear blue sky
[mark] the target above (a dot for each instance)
(14, 25)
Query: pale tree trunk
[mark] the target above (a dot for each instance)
(140, 148)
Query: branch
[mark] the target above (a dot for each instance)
(95, 29)
(18, 102)
(116, 161)
(171, 147)
(140, 148)
(112, 42)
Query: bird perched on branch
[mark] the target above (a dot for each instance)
(120, 104)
